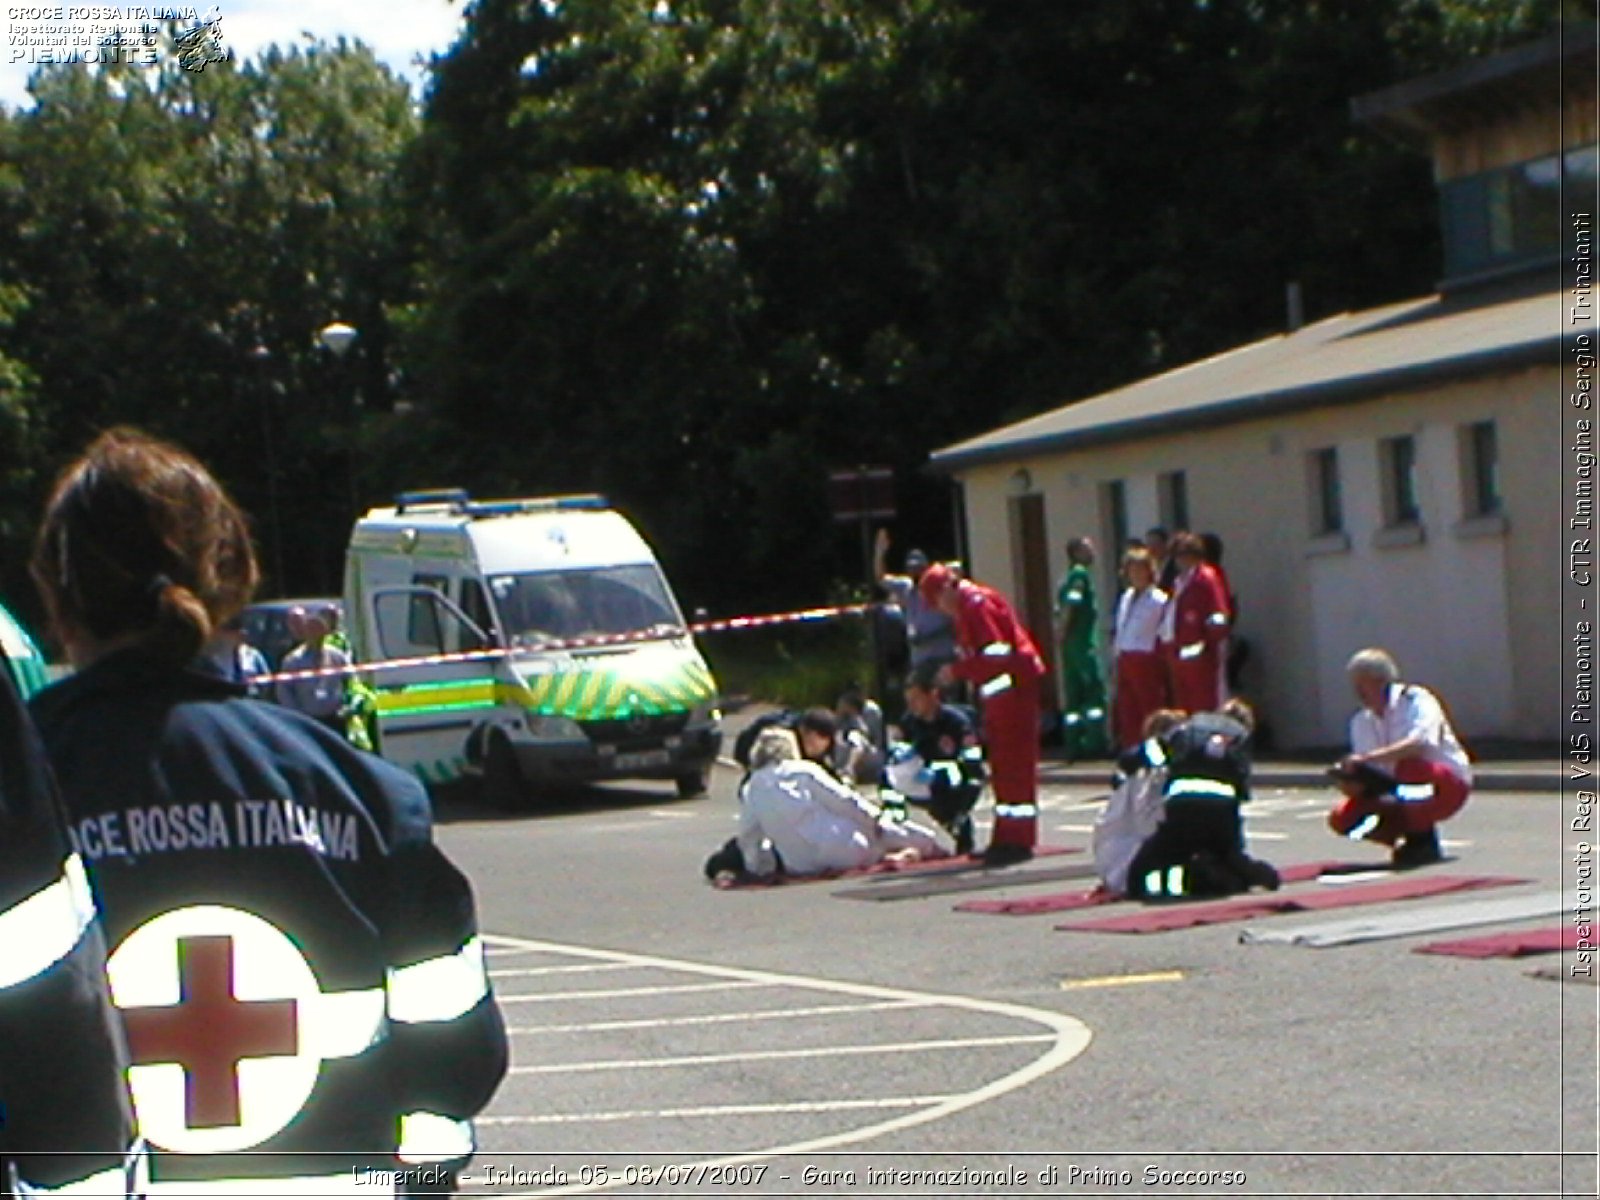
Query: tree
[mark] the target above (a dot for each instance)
(168, 223)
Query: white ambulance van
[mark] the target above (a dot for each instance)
(591, 673)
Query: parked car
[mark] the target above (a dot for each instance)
(266, 624)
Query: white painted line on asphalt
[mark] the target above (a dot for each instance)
(697, 1060)
(708, 1110)
(1266, 835)
(1074, 828)
(773, 1014)
(1071, 1037)
(580, 968)
(617, 993)
(672, 813)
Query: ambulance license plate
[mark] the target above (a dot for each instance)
(644, 758)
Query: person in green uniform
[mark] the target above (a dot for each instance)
(1083, 721)
(360, 697)
(20, 656)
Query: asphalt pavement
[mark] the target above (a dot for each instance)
(815, 1039)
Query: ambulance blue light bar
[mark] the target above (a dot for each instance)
(459, 500)
(501, 508)
(451, 498)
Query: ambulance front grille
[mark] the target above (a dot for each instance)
(641, 731)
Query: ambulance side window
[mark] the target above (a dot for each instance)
(408, 624)
(423, 628)
(476, 605)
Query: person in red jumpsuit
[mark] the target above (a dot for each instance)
(1194, 630)
(999, 658)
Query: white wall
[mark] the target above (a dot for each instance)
(1469, 615)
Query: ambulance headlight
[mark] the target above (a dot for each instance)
(554, 729)
(703, 714)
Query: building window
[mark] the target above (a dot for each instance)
(1512, 216)
(1480, 476)
(1398, 462)
(1327, 499)
(1172, 497)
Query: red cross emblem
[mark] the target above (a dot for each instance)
(209, 1031)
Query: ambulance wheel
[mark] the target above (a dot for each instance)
(503, 785)
(695, 783)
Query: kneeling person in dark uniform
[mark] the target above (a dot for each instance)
(938, 762)
(1198, 849)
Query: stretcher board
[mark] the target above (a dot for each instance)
(944, 886)
(1461, 915)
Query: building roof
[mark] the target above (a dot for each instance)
(1346, 358)
(1483, 90)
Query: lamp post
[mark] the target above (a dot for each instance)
(260, 359)
(337, 338)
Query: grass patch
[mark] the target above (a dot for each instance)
(795, 666)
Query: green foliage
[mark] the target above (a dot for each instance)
(797, 666)
(167, 223)
(692, 253)
(697, 253)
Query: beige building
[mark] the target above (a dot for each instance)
(1388, 477)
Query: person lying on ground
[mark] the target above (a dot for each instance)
(796, 818)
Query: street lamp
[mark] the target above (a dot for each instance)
(260, 360)
(337, 338)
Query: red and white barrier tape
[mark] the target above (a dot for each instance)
(655, 633)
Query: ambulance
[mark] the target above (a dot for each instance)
(527, 643)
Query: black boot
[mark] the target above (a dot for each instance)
(961, 829)
(1258, 873)
(1418, 849)
(1005, 853)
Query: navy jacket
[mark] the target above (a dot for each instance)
(1208, 759)
(65, 1117)
(297, 963)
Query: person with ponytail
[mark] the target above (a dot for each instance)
(296, 964)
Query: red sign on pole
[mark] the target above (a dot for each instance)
(862, 494)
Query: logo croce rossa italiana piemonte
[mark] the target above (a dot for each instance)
(200, 45)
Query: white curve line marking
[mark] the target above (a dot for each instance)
(765, 1014)
(617, 993)
(705, 1110)
(524, 972)
(1072, 1038)
(698, 1060)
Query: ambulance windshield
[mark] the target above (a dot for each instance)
(545, 606)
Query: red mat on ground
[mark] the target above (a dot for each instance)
(1160, 918)
(1507, 945)
(927, 866)
(1027, 906)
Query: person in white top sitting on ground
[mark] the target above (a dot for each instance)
(1406, 770)
(797, 818)
(1136, 805)
(1141, 672)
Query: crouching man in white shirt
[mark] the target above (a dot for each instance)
(1406, 770)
